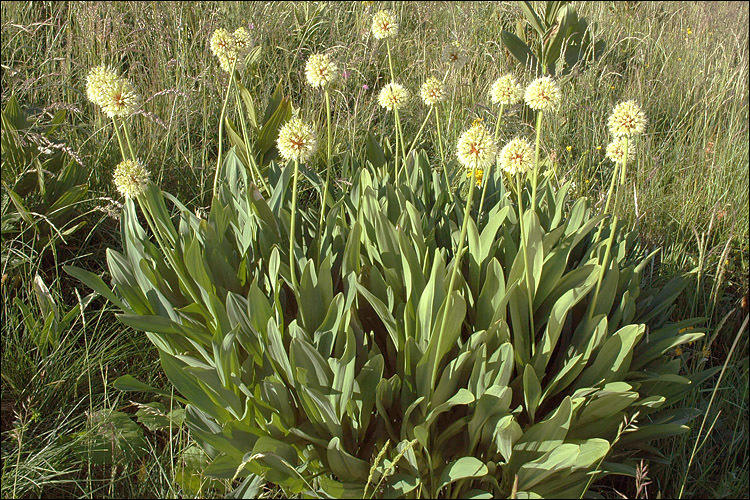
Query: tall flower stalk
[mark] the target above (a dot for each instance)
(321, 72)
(626, 121)
(541, 95)
(393, 97)
(476, 151)
(515, 160)
(296, 142)
(504, 91)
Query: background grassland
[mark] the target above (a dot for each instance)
(686, 63)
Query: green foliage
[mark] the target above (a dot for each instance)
(41, 184)
(559, 39)
(304, 386)
(46, 326)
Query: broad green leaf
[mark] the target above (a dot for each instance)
(463, 468)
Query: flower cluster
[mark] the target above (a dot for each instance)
(432, 91)
(505, 90)
(543, 94)
(131, 178)
(616, 150)
(114, 94)
(231, 48)
(393, 96)
(517, 157)
(476, 148)
(454, 55)
(627, 120)
(384, 25)
(320, 70)
(296, 141)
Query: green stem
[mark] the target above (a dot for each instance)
(323, 202)
(127, 139)
(414, 142)
(612, 231)
(390, 64)
(401, 138)
(525, 257)
(395, 128)
(442, 155)
(536, 159)
(254, 170)
(119, 138)
(221, 128)
(292, 266)
(606, 205)
(489, 170)
(456, 266)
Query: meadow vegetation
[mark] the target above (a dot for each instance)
(68, 431)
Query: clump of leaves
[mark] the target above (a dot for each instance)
(347, 385)
(42, 183)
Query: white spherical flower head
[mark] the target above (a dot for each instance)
(98, 81)
(296, 141)
(543, 94)
(476, 148)
(222, 43)
(454, 55)
(627, 120)
(242, 40)
(120, 98)
(616, 150)
(505, 90)
(384, 25)
(131, 178)
(320, 70)
(393, 96)
(517, 156)
(432, 91)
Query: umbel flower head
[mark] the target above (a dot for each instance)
(393, 96)
(454, 55)
(627, 120)
(542, 94)
(231, 49)
(517, 157)
(296, 141)
(432, 91)
(242, 40)
(97, 82)
(320, 70)
(505, 90)
(616, 150)
(222, 43)
(476, 148)
(119, 98)
(131, 178)
(384, 25)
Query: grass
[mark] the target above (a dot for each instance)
(685, 63)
